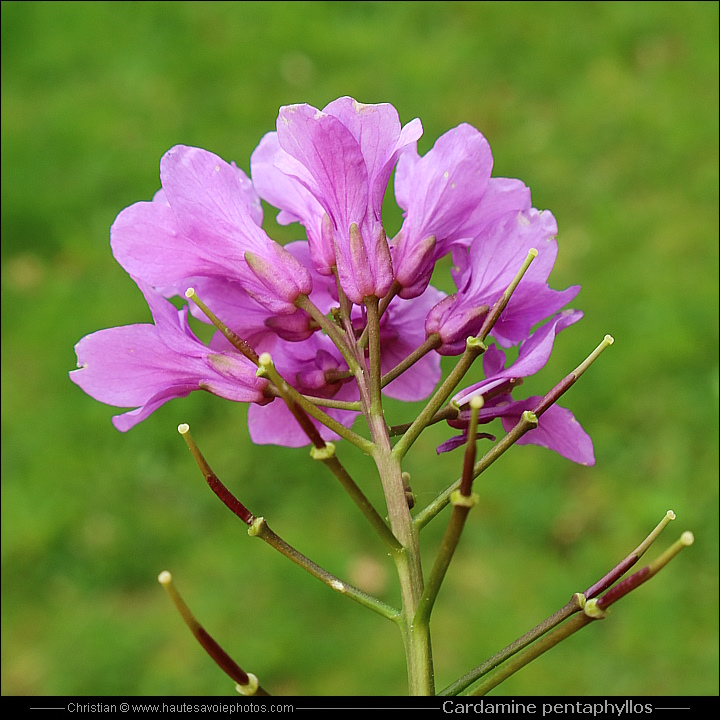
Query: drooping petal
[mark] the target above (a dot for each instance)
(125, 366)
(148, 244)
(501, 196)
(144, 366)
(532, 356)
(497, 254)
(127, 421)
(530, 304)
(535, 351)
(212, 207)
(557, 430)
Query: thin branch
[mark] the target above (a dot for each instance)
(267, 369)
(576, 603)
(593, 610)
(473, 349)
(246, 683)
(232, 337)
(528, 421)
(261, 529)
(257, 527)
(431, 343)
(331, 330)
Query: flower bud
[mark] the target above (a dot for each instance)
(413, 265)
(283, 279)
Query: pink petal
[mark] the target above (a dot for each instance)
(334, 169)
(557, 430)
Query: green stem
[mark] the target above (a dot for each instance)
(451, 538)
(373, 325)
(575, 604)
(325, 453)
(394, 290)
(267, 369)
(462, 500)
(532, 652)
(327, 456)
(473, 349)
(593, 609)
(352, 405)
(331, 330)
(431, 343)
(416, 639)
(528, 421)
(259, 528)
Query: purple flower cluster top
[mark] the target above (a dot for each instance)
(329, 170)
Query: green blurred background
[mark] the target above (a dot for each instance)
(608, 111)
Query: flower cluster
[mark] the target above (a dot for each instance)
(314, 333)
(307, 303)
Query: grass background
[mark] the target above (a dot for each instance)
(608, 111)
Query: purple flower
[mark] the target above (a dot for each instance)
(343, 155)
(315, 367)
(205, 224)
(448, 198)
(486, 268)
(144, 366)
(328, 170)
(253, 322)
(557, 430)
(401, 331)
